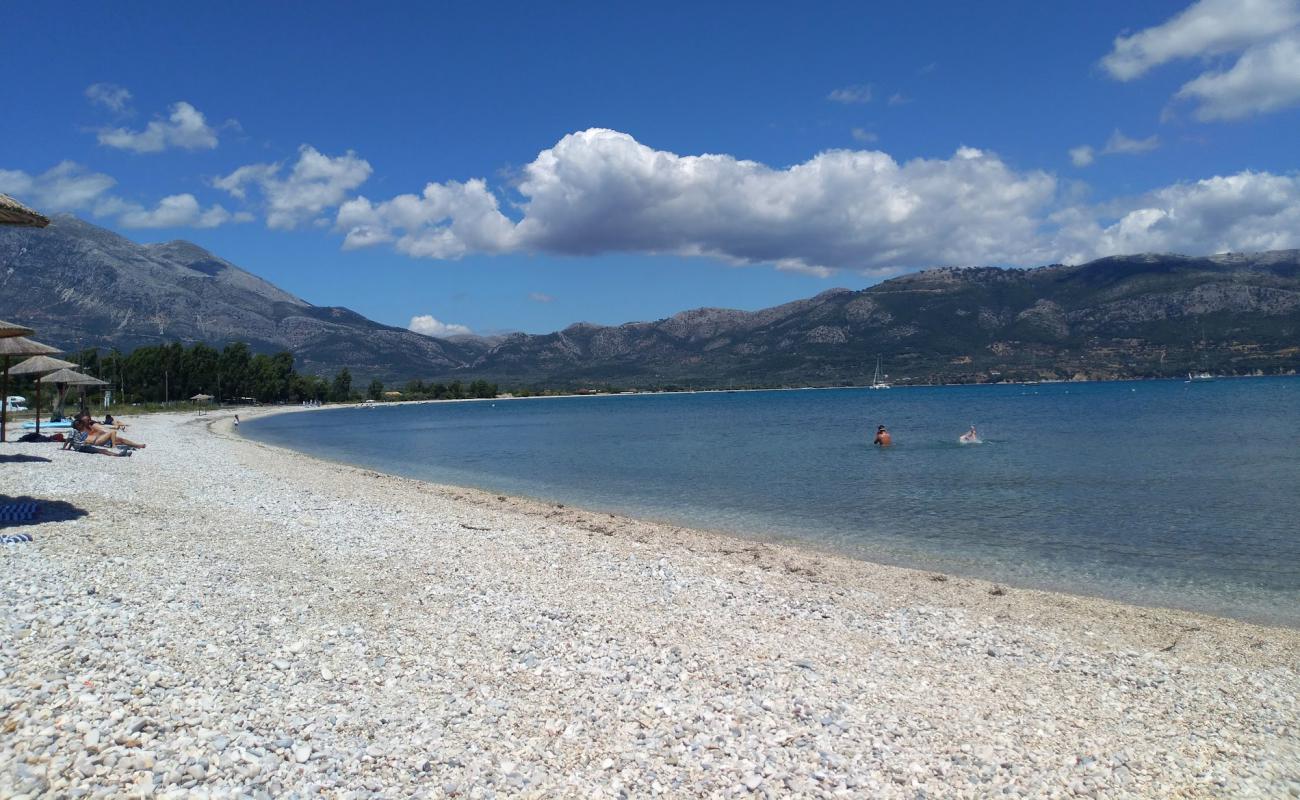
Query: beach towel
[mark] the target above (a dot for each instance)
(18, 512)
(15, 538)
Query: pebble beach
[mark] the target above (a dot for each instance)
(215, 617)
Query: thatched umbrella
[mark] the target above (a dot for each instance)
(201, 398)
(13, 212)
(66, 378)
(35, 366)
(8, 329)
(16, 346)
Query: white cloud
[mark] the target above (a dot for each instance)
(852, 95)
(68, 186)
(899, 99)
(865, 136)
(1208, 27)
(1248, 211)
(540, 297)
(601, 191)
(315, 183)
(185, 128)
(173, 211)
(427, 325)
(110, 96)
(1265, 78)
(1119, 144)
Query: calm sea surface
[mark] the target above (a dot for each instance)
(1161, 493)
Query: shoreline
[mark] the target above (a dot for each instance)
(807, 548)
(218, 614)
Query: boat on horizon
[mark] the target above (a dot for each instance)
(876, 382)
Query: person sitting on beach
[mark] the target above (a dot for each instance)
(79, 441)
(882, 437)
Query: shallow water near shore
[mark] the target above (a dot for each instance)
(1160, 493)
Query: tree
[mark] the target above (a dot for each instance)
(341, 390)
(376, 390)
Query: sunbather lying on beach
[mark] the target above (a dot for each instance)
(105, 436)
(79, 440)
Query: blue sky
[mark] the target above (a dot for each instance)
(525, 166)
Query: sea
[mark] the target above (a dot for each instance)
(1161, 493)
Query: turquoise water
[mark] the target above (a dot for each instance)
(1161, 493)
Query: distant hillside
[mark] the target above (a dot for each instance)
(1125, 316)
(1129, 316)
(80, 285)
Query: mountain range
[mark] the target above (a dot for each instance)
(1124, 316)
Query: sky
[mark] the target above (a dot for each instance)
(492, 167)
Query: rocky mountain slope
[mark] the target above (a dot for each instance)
(1145, 315)
(1125, 316)
(80, 285)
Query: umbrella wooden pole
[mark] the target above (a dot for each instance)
(4, 398)
(38, 406)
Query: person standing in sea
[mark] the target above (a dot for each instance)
(882, 437)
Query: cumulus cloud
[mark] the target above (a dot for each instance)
(1247, 211)
(316, 182)
(67, 186)
(1082, 156)
(1117, 144)
(427, 325)
(1265, 77)
(185, 128)
(852, 95)
(173, 211)
(110, 96)
(601, 191)
(1208, 27)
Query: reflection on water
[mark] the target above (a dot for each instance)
(1157, 492)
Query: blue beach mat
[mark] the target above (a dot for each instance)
(19, 512)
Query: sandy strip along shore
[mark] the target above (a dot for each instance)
(216, 617)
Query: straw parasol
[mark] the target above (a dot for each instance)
(8, 329)
(13, 212)
(67, 377)
(201, 398)
(16, 346)
(35, 366)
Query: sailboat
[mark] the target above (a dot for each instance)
(876, 382)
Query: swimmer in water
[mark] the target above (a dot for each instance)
(970, 435)
(882, 437)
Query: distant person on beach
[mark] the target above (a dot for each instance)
(882, 437)
(236, 420)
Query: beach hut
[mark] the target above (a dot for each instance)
(11, 346)
(37, 365)
(13, 212)
(66, 378)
